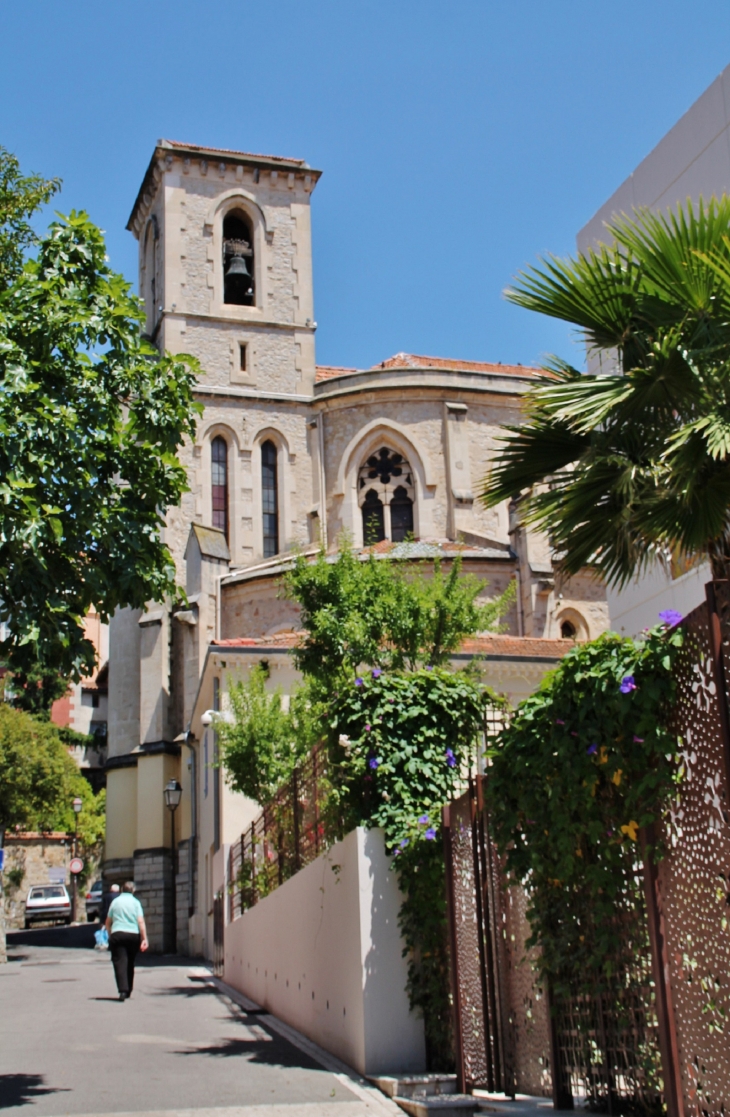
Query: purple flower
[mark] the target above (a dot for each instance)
(670, 617)
(430, 834)
(377, 672)
(423, 820)
(450, 758)
(592, 749)
(358, 681)
(429, 667)
(403, 843)
(558, 721)
(373, 762)
(367, 727)
(627, 684)
(532, 821)
(573, 733)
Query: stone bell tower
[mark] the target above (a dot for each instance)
(225, 271)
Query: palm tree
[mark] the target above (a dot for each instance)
(632, 463)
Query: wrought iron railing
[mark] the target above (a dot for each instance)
(291, 831)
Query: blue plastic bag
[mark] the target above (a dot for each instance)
(102, 939)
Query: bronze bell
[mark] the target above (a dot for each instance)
(238, 271)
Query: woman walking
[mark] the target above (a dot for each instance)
(127, 935)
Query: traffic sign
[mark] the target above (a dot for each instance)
(76, 865)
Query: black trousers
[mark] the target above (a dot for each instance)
(123, 947)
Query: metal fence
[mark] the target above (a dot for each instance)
(291, 831)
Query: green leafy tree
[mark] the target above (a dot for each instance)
(20, 197)
(632, 464)
(38, 783)
(385, 613)
(91, 420)
(35, 688)
(261, 741)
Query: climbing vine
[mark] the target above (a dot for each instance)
(584, 765)
(401, 741)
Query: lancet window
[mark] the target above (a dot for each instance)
(270, 499)
(219, 482)
(386, 496)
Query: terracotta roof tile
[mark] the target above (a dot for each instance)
(326, 372)
(412, 360)
(529, 647)
(526, 647)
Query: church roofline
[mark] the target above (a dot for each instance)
(223, 155)
(402, 361)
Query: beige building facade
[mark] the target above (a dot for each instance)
(287, 455)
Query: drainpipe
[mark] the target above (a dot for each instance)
(322, 492)
(193, 823)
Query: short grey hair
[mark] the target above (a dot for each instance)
(128, 886)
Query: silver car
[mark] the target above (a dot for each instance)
(48, 902)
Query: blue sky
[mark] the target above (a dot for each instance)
(458, 139)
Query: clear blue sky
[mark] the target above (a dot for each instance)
(458, 138)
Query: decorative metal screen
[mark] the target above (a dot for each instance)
(694, 877)
(501, 1017)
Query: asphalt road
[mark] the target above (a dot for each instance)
(68, 1046)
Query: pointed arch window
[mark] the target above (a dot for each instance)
(270, 498)
(219, 483)
(373, 525)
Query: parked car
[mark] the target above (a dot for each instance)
(48, 902)
(95, 901)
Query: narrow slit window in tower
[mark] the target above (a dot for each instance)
(219, 483)
(270, 499)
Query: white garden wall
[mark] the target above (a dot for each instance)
(324, 953)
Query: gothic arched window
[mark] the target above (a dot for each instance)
(219, 482)
(401, 515)
(386, 494)
(270, 499)
(373, 529)
(238, 270)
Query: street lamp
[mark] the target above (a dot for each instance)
(77, 804)
(173, 794)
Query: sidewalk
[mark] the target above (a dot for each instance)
(68, 1046)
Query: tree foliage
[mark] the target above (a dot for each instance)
(39, 781)
(91, 419)
(20, 197)
(400, 742)
(264, 740)
(586, 762)
(632, 464)
(381, 612)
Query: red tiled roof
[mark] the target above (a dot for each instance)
(411, 360)
(232, 151)
(529, 647)
(281, 639)
(326, 372)
(526, 647)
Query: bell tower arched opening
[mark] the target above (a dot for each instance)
(238, 261)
